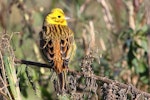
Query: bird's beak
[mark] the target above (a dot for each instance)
(67, 18)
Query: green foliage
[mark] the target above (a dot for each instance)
(12, 78)
(136, 54)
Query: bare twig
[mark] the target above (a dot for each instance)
(130, 9)
(83, 6)
(85, 43)
(103, 46)
(6, 89)
(92, 34)
(107, 15)
(32, 63)
(88, 46)
(4, 95)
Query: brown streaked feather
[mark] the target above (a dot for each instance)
(57, 46)
(56, 43)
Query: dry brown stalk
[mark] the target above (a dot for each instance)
(107, 15)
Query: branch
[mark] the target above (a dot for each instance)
(99, 78)
(116, 83)
(32, 63)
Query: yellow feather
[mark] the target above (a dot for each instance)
(56, 16)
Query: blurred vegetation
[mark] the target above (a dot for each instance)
(114, 30)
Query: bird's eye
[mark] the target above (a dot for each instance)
(59, 16)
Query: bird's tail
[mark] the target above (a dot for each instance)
(62, 81)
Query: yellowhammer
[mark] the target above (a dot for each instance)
(57, 43)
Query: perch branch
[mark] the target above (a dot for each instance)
(32, 63)
(103, 79)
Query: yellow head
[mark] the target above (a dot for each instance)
(56, 16)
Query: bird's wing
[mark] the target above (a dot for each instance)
(46, 45)
(57, 42)
(67, 45)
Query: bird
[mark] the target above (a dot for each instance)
(57, 44)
